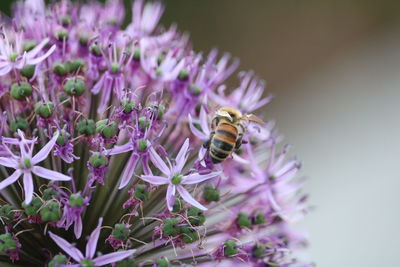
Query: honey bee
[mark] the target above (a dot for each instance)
(227, 134)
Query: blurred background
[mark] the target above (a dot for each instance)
(333, 66)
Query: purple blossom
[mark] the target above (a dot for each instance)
(25, 164)
(175, 179)
(91, 246)
(13, 57)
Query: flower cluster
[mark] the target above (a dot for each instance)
(103, 134)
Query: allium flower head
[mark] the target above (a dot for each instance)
(110, 129)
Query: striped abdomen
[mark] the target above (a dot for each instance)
(223, 142)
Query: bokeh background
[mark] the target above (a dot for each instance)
(334, 67)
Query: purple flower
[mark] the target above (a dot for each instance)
(91, 246)
(26, 164)
(12, 56)
(175, 179)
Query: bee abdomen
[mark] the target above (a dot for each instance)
(223, 142)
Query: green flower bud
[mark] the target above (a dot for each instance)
(61, 68)
(211, 193)
(176, 179)
(27, 71)
(61, 35)
(6, 212)
(13, 56)
(66, 20)
(106, 128)
(20, 123)
(32, 208)
(230, 248)
(160, 59)
(127, 105)
(97, 160)
(142, 144)
(50, 212)
(86, 127)
(196, 216)
(243, 220)
(20, 90)
(189, 235)
(141, 192)
(95, 50)
(76, 200)
(259, 218)
(76, 64)
(58, 260)
(161, 111)
(114, 67)
(258, 251)
(45, 110)
(7, 243)
(197, 108)
(195, 89)
(183, 75)
(63, 138)
(143, 123)
(170, 227)
(49, 193)
(163, 262)
(121, 232)
(83, 40)
(74, 86)
(86, 263)
(28, 45)
(136, 54)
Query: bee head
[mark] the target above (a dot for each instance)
(231, 114)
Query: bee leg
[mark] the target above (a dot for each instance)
(207, 143)
(239, 141)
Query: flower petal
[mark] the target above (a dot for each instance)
(196, 131)
(28, 187)
(170, 197)
(155, 180)
(78, 227)
(113, 257)
(188, 198)
(41, 58)
(92, 242)
(198, 178)
(49, 174)
(10, 179)
(120, 149)
(129, 170)
(158, 162)
(204, 121)
(9, 162)
(67, 247)
(181, 157)
(44, 152)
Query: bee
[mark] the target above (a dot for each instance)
(227, 134)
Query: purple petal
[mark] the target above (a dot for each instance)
(10, 179)
(5, 70)
(129, 170)
(9, 162)
(170, 196)
(158, 162)
(78, 227)
(96, 88)
(195, 131)
(38, 48)
(67, 247)
(155, 180)
(120, 149)
(41, 58)
(49, 174)
(181, 157)
(28, 187)
(198, 178)
(204, 121)
(44, 152)
(188, 198)
(113, 257)
(92, 243)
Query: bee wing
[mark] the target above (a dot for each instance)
(255, 119)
